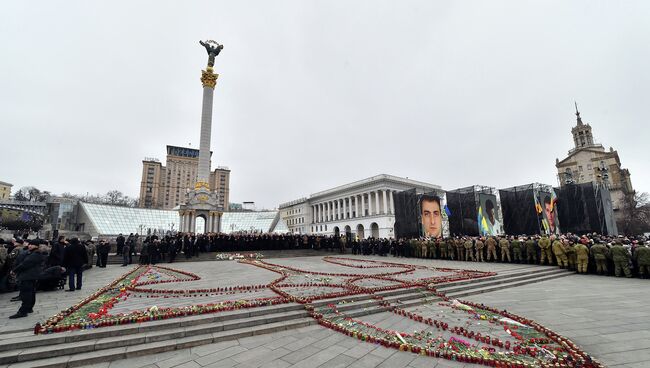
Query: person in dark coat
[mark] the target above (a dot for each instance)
(27, 272)
(56, 253)
(120, 244)
(74, 257)
(102, 253)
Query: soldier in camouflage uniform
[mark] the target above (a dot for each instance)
(621, 259)
(545, 246)
(558, 249)
(451, 249)
(504, 244)
(424, 248)
(479, 245)
(491, 244)
(460, 249)
(582, 256)
(531, 251)
(600, 253)
(516, 249)
(571, 255)
(642, 257)
(469, 249)
(443, 249)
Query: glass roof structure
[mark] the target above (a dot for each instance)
(102, 219)
(257, 222)
(99, 219)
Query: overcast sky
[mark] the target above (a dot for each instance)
(315, 94)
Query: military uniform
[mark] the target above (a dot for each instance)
(443, 249)
(642, 257)
(560, 254)
(600, 253)
(531, 252)
(491, 248)
(424, 248)
(460, 249)
(545, 246)
(516, 250)
(479, 245)
(621, 260)
(451, 249)
(582, 256)
(504, 244)
(469, 250)
(570, 251)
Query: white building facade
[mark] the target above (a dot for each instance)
(360, 209)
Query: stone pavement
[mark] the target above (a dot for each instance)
(606, 316)
(49, 303)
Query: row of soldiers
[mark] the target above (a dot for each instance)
(567, 251)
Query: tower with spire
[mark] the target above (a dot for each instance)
(589, 161)
(582, 136)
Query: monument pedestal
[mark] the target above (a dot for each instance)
(200, 203)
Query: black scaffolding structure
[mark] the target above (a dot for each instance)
(520, 215)
(464, 203)
(586, 208)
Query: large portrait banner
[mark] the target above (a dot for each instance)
(489, 221)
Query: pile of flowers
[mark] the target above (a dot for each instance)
(238, 256)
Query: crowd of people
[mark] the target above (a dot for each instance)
(28, 265)
(589, 253)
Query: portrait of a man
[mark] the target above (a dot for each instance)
(431, 216)
(549, 211)
(495, 226)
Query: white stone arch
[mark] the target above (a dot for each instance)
(360, 232)
(200, 224)
(374, 230)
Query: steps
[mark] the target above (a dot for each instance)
(501, 279)
(20, 349)
(77, 348)
(489, 286)
(364, 305)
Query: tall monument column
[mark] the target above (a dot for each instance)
(209, 81)
(202, 201)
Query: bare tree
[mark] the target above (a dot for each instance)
(635, 217)
(20, 196)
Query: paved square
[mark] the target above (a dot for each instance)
(607, 317)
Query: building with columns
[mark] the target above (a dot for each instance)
(362, 209)
(588, 161)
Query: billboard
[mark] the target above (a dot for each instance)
(546, 208)
(420, 214)
(489, 218)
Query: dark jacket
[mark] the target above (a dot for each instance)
(56, 254)
(31, 266)
(75, 255)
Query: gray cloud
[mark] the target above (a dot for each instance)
(315, 94)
